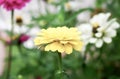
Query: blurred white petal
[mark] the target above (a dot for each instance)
(99, 43)
(93, 40)
(84, 16)
(110, 33)
(107, 39)
(71, 5)
(29, 44)
(98, 34)
(33, 31)
(79, 4)
(86, 32)
(103, 17)
(115, 25)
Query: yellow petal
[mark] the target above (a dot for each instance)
(37, 41)
(55, 46)
(47, 47)
(68, 48)
(78, 47)
(74, 42)
(64, 42)
(60, 48)
(40, 40)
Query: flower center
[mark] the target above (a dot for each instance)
(19, 20)
(95, 27)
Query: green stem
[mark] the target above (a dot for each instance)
(84, 60)
(10, 47)
(60, 66)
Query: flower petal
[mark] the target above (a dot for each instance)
(68, 48)
(107, 39)
(93, 40)
(110, 33)
(98, 34)
(55, 46)
(99, 43)
(78, 46)
(115, 25)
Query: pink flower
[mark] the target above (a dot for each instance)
(13, 4)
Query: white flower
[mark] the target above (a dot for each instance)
(71, 6)
(101, 29)
(5, 25)
(25, 14)
(78, 4)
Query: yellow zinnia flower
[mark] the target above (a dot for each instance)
(61, 39)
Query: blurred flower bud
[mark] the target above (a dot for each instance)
(23, 38)
(42, 23)
(38, 77)
(20, 77)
